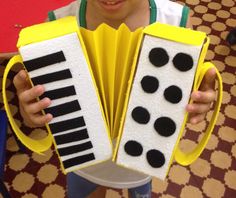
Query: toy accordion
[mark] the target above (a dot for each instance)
(115, 84)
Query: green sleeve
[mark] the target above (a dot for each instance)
(51, 16)
(185, 15)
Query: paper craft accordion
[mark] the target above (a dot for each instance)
(110, 84)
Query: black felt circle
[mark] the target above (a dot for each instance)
(158, 57)
(149, 84)
(165, 126)
(173, 94)
(133, 148)
(141, 115)
(155, 158)
(183, 62)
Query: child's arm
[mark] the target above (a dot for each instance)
(30, 108)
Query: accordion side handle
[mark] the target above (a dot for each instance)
(37, 146)
(188, 158)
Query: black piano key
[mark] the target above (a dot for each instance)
(44, 61)
(52, 77)
(75, 148)
(67, 125)
(64, 108)
(72, 137)
(59, 93)
(78, 160)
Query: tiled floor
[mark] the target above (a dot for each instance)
(29, 175)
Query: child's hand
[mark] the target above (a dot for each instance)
(30, 108)
(202, 98)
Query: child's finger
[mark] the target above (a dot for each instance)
(208, 80)
(198, 108)
(30, 95)
(37, 107)
(20, 81)
(38, 120)
(197, 118)
(203, 97)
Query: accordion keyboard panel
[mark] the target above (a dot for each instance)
(78, 126)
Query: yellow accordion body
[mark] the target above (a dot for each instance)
(111, 67)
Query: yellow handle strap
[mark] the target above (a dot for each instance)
(187, 158)
(37, 146)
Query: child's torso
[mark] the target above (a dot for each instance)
(108, 173)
